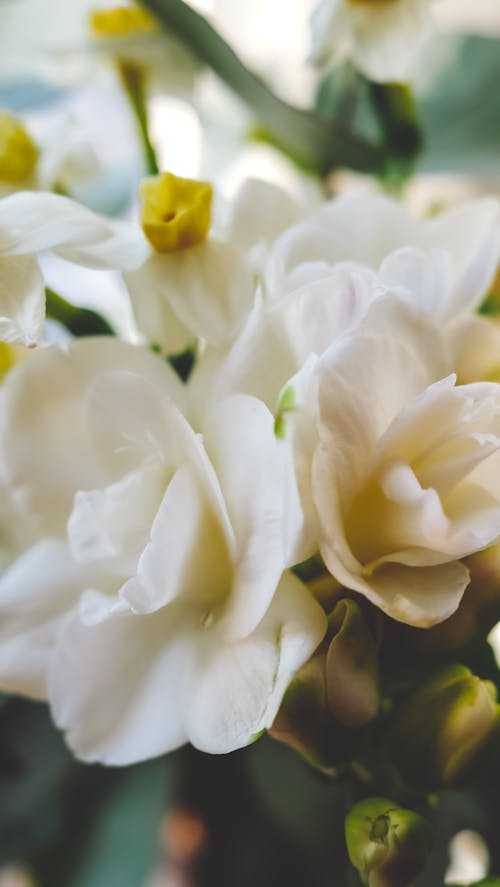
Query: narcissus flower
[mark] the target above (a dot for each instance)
(199, 278)
(381, 37)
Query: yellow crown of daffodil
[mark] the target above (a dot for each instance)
(18, 152)
(121, 21)
(371, 2)
(176, 212)
(10, 355)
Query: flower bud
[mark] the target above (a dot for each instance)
(303, 720)
(439, 731)
(352, 674)
(18, 152)
(176, 212)
(386, 844)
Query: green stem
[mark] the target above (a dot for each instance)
(316, 143)
(133, 78)
(78, 321)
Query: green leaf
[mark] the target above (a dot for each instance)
(78, 321)
(460, 115)
(110, 831)
(34, 764)
(310, 140)
(396, 115)
(124, 841)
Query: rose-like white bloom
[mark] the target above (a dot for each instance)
(33, 222)
(404, 475)
(381, 37)
(321, 275)
(153, 606)
(443, 265)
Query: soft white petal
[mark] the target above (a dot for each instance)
(46, 400)
(239, 437)
(35, 221)
(471, 235)
(186, 556)
(153, 312)
(208, 287)
(422, 596)
(118, 689)
(110, 527)
(36, 593)
(22, 300)
(239, 687)
(259, 212)
(244, 367)
(388, 37)
(312, 317)
(423, 278)
(366, 379)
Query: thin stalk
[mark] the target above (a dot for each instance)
(314, 142)
(133, 78)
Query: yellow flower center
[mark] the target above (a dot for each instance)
(176, 213)
(371, 2)
(18, 152)
(9, 356)
(121, 21)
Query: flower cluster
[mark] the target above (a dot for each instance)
(154, 527)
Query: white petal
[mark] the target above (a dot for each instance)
(36, 593)
(110, 527)
(244, 367)
(259, 212)
(239, 687)
(424, 279)
(31, 222)
(471, 234)
(314, 316)
(208, 287)
(389, 37)
(239, 437)
(366, 379)
(186, 556)
(45, 401)
(363, 228)
(118, 688)
(153, 312)
(420, 596)
(22, 300)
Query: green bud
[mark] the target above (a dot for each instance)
(442, 727)
(352, 673)
(386, 844)
(302, 722)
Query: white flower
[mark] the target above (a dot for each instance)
(88, 33)
(381, 37)
(321, 274)
(32, 222)
(63, 160)
(198, 281)
(154, 606)
(443, 265)
(404, 476)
